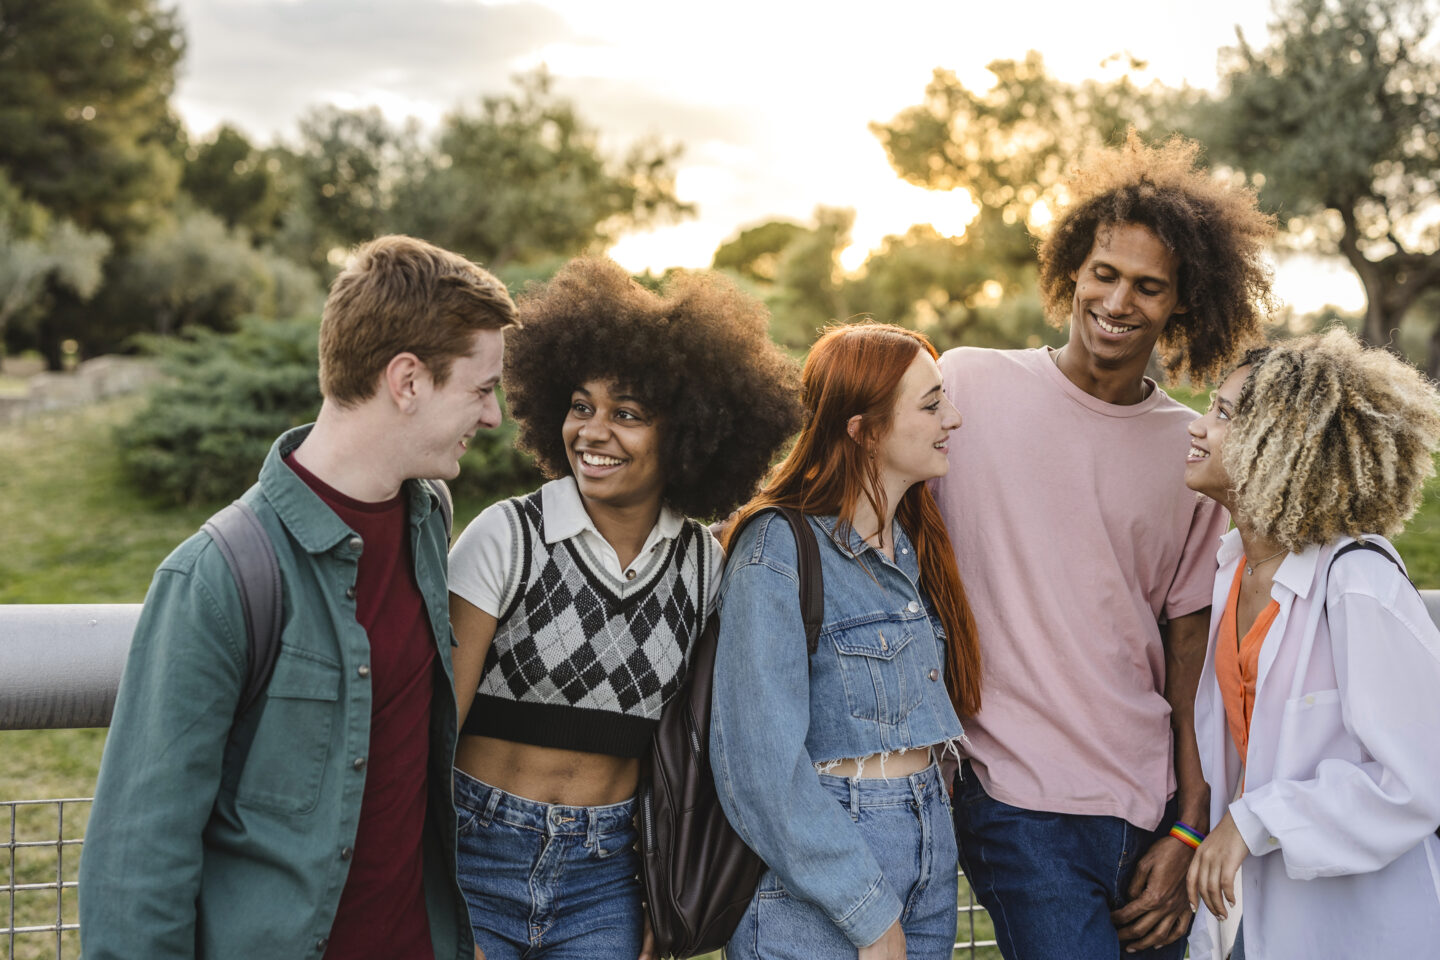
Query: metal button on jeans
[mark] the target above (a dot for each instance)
(363, 669)
(359, 763)
(350, 593)
(934, 674)
(321, 944)
(355, 543)
(912, 607)
(346, 853)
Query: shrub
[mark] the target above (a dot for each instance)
(206, 428)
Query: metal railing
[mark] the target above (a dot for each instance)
(60, 668)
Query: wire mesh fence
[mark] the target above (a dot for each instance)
(39, 911)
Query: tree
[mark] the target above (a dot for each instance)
(978, 289)
(350, 165)
(1011, 145)
(1338, 118)
(238, 182)
(523, 177)
(37, 251)
(85, 123)
(796, 270)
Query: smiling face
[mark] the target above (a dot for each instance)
(1125, 292)
(1204, 465)
(613, 444)
(915, 449)
(456, 410)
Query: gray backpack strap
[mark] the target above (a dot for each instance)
(250, 555)
(447, 504)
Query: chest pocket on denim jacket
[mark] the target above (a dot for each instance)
(875, 668)
(287, 757)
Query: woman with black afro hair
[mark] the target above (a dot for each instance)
(574, 607)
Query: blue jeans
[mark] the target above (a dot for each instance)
(906, 822)
(1050, 880)
(548, 881)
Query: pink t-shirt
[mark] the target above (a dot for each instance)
(1074, 532)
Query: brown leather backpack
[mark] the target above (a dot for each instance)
(699, 875)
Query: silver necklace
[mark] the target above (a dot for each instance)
(1250, 567)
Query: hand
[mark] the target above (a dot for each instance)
(890, 946)
(479, 954)
(1212, 873)
(647, 941)
(1157, 913)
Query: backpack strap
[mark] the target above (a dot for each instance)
(1373, 548)
(441, 489)
(812, 579)
(250, 555)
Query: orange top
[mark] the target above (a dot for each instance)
(1237, 662)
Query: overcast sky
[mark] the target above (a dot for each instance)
(771, 99)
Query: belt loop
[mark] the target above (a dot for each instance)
(592, 828)
(491, 802)
(854, 796)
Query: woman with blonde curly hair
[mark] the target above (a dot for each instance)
(1318, 712)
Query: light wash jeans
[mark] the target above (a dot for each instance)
(548, 882)
(906, 822)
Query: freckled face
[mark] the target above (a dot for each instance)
(1204, 464)
(916, 446)
(463, 406)
(612, 442)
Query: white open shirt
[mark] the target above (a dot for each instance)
(1342, 784)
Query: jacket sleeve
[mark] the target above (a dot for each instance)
(1360, 812)
(763, 773)
(141, 863)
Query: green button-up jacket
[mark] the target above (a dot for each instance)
(200, 847)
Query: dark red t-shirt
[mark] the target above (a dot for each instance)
(382, 908)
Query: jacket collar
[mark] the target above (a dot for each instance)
(310, 521)
(857, 546)
(565, 514)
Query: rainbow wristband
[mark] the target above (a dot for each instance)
(1187, 835)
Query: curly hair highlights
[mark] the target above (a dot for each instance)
(856, 369)
(1216, 232)
(698, 355)
(1329, 438)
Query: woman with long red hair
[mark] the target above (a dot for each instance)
(827, 764)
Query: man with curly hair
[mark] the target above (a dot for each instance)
(1089, 563)
(316, 821)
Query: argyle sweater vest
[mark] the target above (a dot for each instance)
(576, 665)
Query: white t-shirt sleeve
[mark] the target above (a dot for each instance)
(482, 561)
(716, 561)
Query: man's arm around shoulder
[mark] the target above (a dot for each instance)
(141, 865)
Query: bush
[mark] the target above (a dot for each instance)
(205, 430)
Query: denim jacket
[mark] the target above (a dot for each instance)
(199, 847)
(875, 685)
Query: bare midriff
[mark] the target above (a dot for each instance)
(897, 764)
(547, 774)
